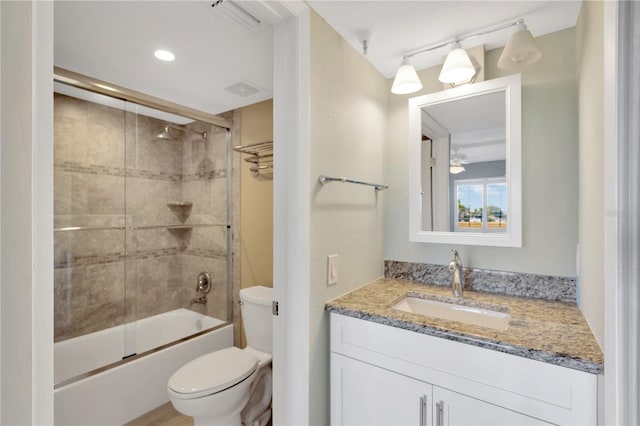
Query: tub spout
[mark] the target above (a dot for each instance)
(201, 300)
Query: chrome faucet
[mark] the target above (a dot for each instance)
(203, 286)
(455, 266)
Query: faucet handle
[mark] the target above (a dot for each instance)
(456, 257)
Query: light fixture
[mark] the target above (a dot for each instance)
(164, 55)
(407, 80)
(455, 169)
(458, 68)
(520, 49)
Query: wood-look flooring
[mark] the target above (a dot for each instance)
(164, 415)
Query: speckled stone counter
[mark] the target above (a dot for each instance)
(548, 331)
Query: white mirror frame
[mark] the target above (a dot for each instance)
(511, 86)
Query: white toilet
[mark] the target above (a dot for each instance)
(214, 388)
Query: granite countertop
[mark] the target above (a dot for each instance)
(548, 331)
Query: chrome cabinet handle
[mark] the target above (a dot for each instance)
(423, 410)
(439, 412)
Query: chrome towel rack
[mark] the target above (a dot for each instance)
(260, 154)
(326, 179)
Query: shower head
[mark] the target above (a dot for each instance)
(166, 134)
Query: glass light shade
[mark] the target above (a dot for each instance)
(457, 68)
(454, 170)
(520, 50)
(407, 80)
(164, 55)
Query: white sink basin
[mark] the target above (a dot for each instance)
(475, 315)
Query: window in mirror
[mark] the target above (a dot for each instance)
(481, 205)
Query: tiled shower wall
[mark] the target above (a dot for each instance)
(111, 171)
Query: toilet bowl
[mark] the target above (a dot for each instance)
(215, 388)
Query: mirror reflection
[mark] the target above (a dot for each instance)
(463, 170)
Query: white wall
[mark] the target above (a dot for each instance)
(590, 67)
(549, 169)
(26, 169)
(348, 115)
(16, 213)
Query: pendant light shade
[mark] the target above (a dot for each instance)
(457, 68)
(520, 49)
(456, 169)
(407, 80)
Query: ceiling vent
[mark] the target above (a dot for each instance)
(237, 13)
(242, 89)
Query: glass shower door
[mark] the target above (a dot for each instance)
(176, 208)
(90, 231)
(141, 211)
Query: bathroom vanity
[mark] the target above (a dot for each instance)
(392, 366)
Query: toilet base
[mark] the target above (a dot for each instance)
(260, 399)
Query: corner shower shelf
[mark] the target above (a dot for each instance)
(185, 204)
(184, 226)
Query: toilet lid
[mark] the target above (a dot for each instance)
(213, 372)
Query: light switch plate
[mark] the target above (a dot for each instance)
(332, 269)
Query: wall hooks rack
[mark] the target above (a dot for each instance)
(326, 179)
(260, 154)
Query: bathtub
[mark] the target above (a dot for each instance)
(119, 394)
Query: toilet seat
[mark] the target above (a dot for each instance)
(212, 373)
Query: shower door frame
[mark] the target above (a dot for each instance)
(121, 93)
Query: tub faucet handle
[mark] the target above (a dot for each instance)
(204, 283)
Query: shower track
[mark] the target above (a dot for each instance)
(136, 227)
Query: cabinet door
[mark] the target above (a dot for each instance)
(454, 409)
(362, 394)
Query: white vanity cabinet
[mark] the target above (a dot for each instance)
(381, 375)
(370, 395)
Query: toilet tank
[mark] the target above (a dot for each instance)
(256, 316)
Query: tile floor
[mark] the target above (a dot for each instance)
(164, 415)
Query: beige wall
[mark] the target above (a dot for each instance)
(348, 115)
(549, 169)
(590, 69)
(256, 202)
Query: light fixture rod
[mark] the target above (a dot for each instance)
(238, 7)
(461, 38)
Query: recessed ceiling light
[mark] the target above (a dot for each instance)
(164, 55)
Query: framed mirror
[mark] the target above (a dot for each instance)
(465, 165)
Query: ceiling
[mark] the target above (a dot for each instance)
(114, 41)
(475, 124)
